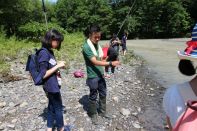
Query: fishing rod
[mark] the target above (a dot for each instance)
(126, 17)
(45, 13)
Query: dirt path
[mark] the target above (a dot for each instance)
(161, 58)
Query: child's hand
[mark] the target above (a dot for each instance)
(115, 63)
(61, 64)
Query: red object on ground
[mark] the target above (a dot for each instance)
(105, 49)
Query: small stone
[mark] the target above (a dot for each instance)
(81, 129)
(115, 99)
(11, 104)
(23, 104)
(134, 114)
(43, 101)
(125, 112)
(136, 125)
(139, 109)
(2, 127)
(11, 126)
(2, 104)
(78, 106)
(151, 95)
(14, 121)
(13, 111)
(151, 89)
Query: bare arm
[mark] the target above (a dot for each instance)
(49, 72)
(103, 63)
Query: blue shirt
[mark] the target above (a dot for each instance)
(194, 33)
(124, 39)
(47, 61)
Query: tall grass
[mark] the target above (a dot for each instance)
(12, 49)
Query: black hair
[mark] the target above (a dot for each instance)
(186, 67)
(114, 36)
(51, 35)
(91, 29)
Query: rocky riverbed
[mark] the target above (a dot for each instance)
(134, 99)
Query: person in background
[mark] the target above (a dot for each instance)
(93, 54)
(124, 43)
(49, 69)
(112, 55)
(115, 43)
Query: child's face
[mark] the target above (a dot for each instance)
(55, 44)
(95, 37)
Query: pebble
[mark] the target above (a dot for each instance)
(11, 126)
(2, 104)
(14, 121)
(12, 112)
(125, 112)
(115, 99)
(124, 89)
(23, 104)
(43, 101)
(136, 124)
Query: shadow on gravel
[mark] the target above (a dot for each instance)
(84, 101)
(44, 114)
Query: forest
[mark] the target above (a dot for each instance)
(25, 19)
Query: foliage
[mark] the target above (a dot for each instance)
(147, 19)
(76, 15)
(15, 13)
(12, 49)
(32, 32)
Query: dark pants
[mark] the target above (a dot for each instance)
(111, 58)
(55, 110)
(97, 85)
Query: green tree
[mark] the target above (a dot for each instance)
(16, 13)
(76, 15)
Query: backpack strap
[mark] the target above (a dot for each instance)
(37, 52)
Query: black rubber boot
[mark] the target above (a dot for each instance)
(102, 108)
(92, 112)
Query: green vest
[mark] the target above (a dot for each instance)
(92, 70)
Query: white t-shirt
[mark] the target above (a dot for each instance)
(174, 100)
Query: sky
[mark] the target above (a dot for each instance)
(52, 0)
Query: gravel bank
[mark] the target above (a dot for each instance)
(134, 100)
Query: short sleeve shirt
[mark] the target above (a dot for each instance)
(46, 61)
(92, 70)
(124, 39)
(194, 33)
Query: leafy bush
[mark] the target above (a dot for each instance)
(12, 49)
(35, 30)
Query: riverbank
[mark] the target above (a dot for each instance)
(133, 99)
